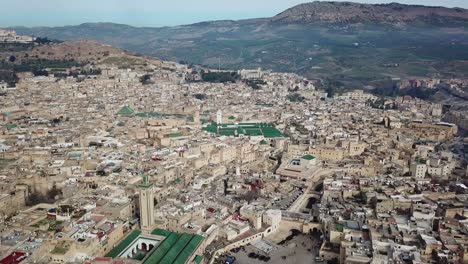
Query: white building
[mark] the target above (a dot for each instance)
(10, 36)
(418, 170)
(251, 74)
(272, 217)
(357, 95)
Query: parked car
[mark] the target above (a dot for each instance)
(230, 260)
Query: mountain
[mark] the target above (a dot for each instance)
(352, 43)
(392, 14)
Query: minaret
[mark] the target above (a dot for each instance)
(219, 117)
(196, 117)
(146, 204)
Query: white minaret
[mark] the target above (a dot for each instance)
(146, 204)
(219, 117)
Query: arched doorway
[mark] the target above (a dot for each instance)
(144, 247)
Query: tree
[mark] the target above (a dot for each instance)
(35, 198)
(295, 97)
(12, 58)
(219, 77)
(40, 73)
(145, 79)
(200, 96)
(40, 40)
(54, 193)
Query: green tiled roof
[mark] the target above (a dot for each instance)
(253, 132)
(271, 132)
(176, 249)
(125, 111)
(250, 129)
(198, 259)
(263, 142)
(189, 249)
(161, 232)
(123, 244)
(174, 135)
(11, 126)
(308, 157)
(162, 250)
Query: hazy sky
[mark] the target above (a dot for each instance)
(153, 12)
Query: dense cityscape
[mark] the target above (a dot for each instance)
(132, 159)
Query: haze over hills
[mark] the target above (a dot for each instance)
(350, 42)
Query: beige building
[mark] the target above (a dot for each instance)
(253, 213)
(146, 204)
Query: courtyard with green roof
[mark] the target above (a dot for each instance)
(175, 248)
(266, 130)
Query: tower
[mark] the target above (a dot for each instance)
(196, 117)
(146, 204)
(219, 117)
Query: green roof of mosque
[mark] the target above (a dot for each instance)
(198, 259)
(253, 132)
(249, 129)
(271, 132)
(161, 232)
(126, 110)
(174, 249)
(308, 157)
(11, 126)
(123, 244)
(189, 249)
(174, 135)
(161, 251)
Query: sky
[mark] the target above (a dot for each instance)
(154, 13)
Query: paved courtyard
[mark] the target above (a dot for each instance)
(298, 250)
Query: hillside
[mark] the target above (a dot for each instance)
(393, 14)
(352, 43)
(56, 56)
